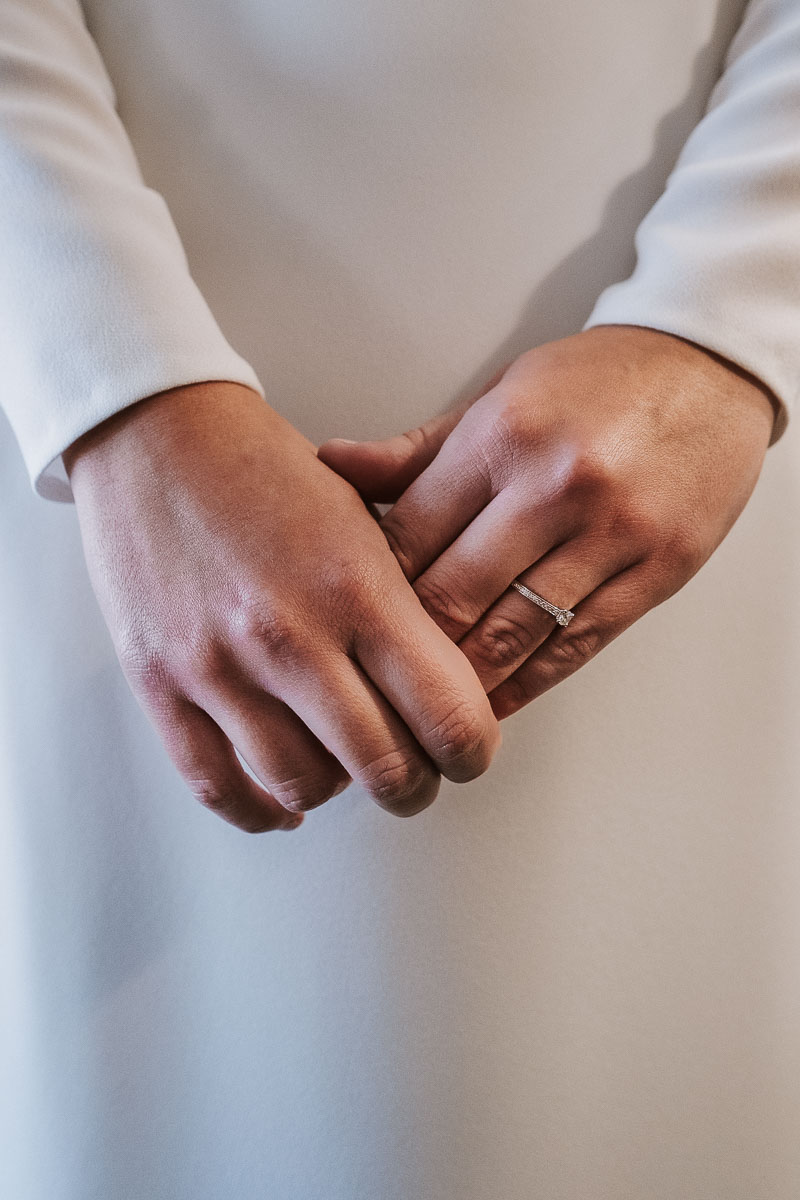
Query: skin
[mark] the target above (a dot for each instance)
(601, 470)
(254, 603)
(256, 600)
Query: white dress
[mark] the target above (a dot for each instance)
(577, 978)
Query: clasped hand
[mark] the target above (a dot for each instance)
(255, 602)
(601, 471)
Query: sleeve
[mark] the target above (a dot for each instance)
(718, 255)
(98, 308)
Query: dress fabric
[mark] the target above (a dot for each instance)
(578, 975)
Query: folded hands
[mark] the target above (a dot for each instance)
(255, 601)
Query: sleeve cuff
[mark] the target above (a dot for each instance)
(630, 303)
(43, 458)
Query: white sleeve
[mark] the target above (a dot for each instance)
(718, 255)
(97, 305)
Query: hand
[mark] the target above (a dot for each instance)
(601, 471)
(254, 603)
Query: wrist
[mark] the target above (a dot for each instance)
(152, 428)
(717, 375)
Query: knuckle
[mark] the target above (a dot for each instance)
(512, 419)
(439, 602)
(215, 796)
(683, 551)
(396, 778)
(207, 662)
(493, 440)
(417, 438)
(226, 802)
(169, 664)
(278, 633)
(400, 536)
(517, 693)
(302, 793)
(571, 649)
(501, 640)
(590, 474)
(632, 526)
(146, 670)
(461, 743)
(350, 587)
(640, 525)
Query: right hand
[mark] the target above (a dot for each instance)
(254, 602)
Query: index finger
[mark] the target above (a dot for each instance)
(432, 686)
(438, 505)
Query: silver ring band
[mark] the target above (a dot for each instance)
(562, 615)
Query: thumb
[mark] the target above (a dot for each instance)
(382, 470)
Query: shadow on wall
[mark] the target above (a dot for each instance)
(293, 270)
(562, 301)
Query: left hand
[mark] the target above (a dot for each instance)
(601, 470)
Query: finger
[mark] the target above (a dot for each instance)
(478, 567)
(347, 713)
(431, 686)
(382, 470)
(291, 763)
(440, 502)
(207, 761)
(598, 620)
(514, 627)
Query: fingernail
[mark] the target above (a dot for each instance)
(344, 441)
(341, 787)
